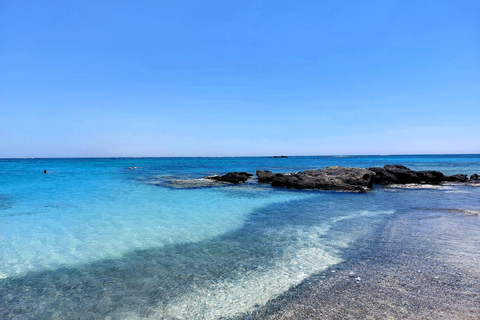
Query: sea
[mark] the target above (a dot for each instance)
(150, 238)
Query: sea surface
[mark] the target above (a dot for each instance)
(149, 238)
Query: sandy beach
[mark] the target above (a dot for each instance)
(423, 266)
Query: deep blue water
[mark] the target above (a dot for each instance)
(93, 239)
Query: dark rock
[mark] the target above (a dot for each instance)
(354, 176)
(456, 178)
(383, 176)
(432, 177)
(232, 177)
(331, 178)
(265, 176)
(402, 173)
(474, 178)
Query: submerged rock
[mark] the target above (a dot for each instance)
(331, 178)
(191, 183)
(232, 177)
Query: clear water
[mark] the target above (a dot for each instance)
(93, 239)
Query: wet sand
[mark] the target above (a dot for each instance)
(424, 265)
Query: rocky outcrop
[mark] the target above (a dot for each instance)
(265, 176)
(456, 178)
(402, 175)
(474, 178)
(232, 177)
(331, 178)
(347, 179)
(382, 176)
(431, 177)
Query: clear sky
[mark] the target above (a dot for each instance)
(238, 78)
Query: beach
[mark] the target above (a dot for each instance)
(424, 266)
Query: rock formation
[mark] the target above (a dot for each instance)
(232, 177)
(331, 178)
(402, 175)
(456, 178)
(348, 179)
(474, 178)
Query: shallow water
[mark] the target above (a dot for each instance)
(423, 265)
(93, 239)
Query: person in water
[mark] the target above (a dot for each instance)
(44, 171)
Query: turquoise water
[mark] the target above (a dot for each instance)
(93, 239)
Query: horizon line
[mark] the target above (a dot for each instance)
(250, 156)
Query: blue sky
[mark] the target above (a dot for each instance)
(238, 78)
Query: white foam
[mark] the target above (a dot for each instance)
(421, 186)
(468, 211)
(457, 191)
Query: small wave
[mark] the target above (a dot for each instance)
(475, 212)
(457, 191)
(421, 186)
(465, 211)
(454, 210)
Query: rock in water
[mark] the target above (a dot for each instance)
(232, 177)
(456, 178)
(433, 177)
(331, 178)
(354, 176)
(474, 178)
(402, 173)
(383, 176)
(265, 176)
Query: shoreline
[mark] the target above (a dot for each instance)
(424, 265)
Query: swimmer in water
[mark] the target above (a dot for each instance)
(44, 171)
